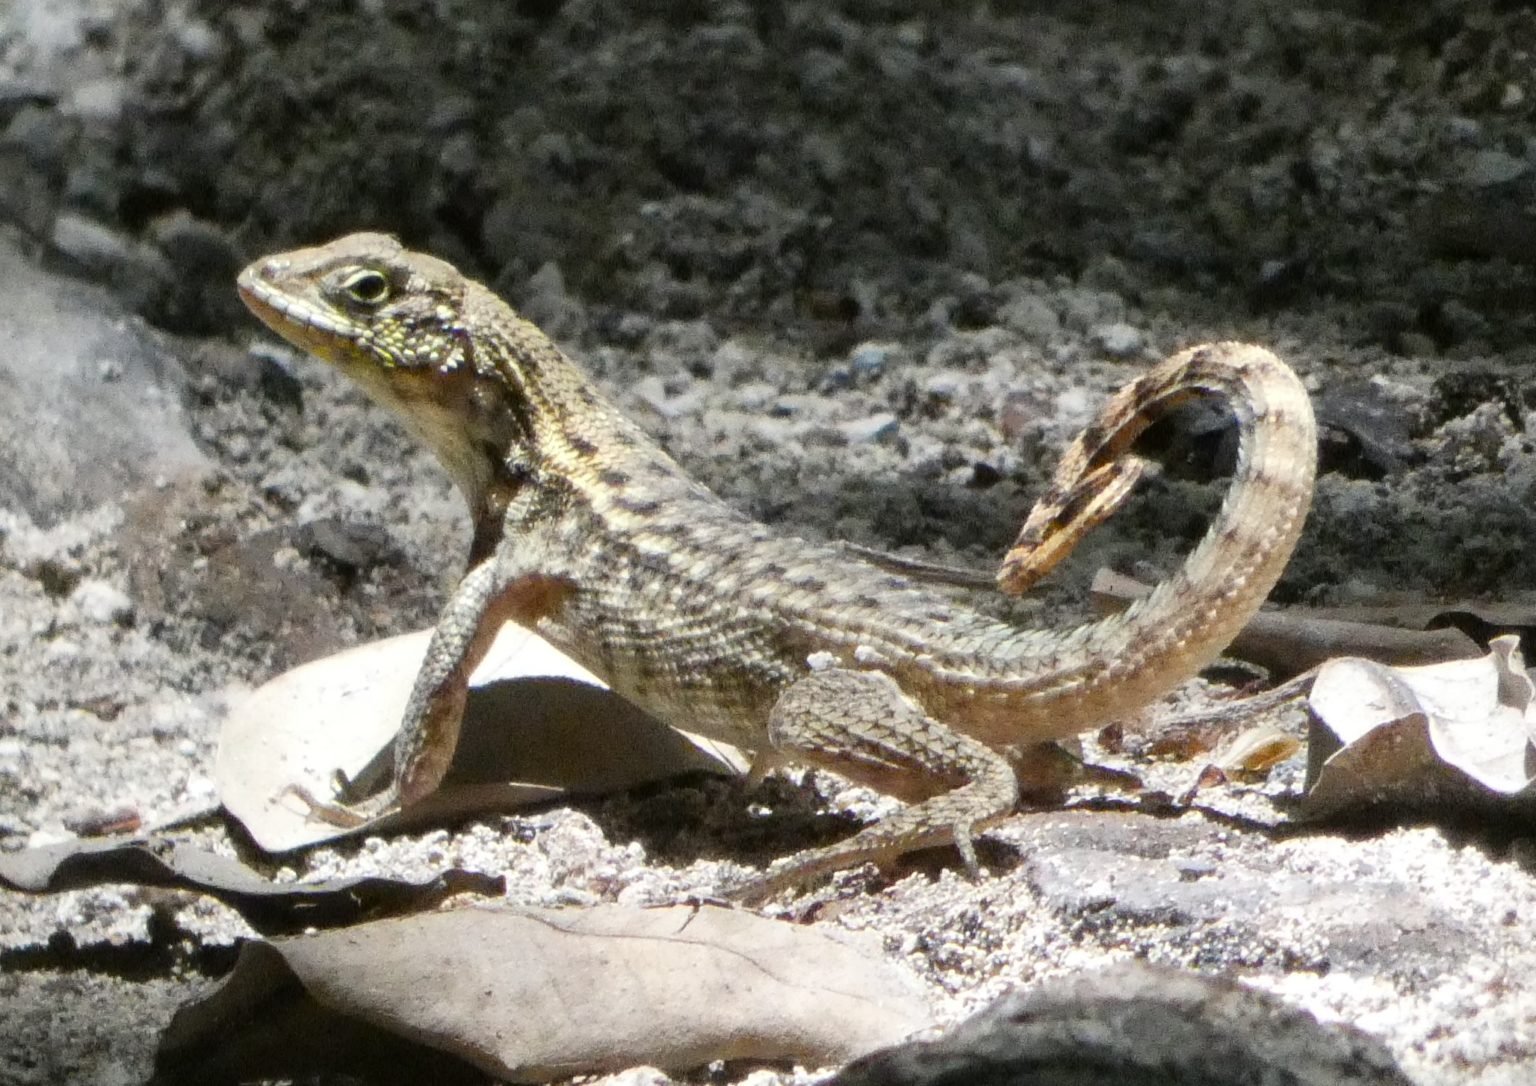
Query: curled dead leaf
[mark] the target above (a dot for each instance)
(267, 906)
(1446, 735)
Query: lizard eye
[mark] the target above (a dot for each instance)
(366, 286)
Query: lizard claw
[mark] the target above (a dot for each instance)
(341, 811)
(332, 813)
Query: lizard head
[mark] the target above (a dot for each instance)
(364, 304)
(402, 325)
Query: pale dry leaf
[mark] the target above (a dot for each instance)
(535, 995)
(536, 725)
(1423, 737)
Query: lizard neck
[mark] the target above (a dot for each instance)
(552, 426)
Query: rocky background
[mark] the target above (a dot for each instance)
(863, 267)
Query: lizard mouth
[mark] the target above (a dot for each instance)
(305, 325)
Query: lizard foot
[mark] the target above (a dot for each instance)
(782, 876)
(796, 873)
(860, 724)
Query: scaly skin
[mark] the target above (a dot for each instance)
(800, 651)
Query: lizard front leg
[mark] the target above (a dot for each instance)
(860, 724)
(492, 593)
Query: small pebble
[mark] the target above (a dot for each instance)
(1119, 340)
(1031, 318)
(869, 359)
(100, 602)
(1486, 168)
(870, 429)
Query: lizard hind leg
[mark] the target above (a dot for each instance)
(861, 725)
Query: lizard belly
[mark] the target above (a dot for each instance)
(693, 679)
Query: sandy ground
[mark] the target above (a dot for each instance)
(863, 270)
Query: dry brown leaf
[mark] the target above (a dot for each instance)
(1426, 738)
(1514, 615)
(267, 906)
(1296, 639)
(533, 717)
(1256, 750)
(534, 995)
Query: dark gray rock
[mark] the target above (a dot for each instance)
(206, 259)
(1135, 1025)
